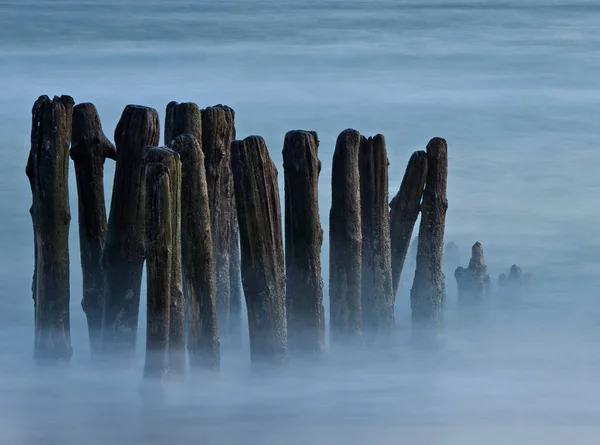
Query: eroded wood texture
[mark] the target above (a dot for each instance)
(303, 240)
(182, 118)
(89, 150)
(263, 276)
(47, 170)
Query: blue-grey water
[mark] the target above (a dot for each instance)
(512, 85)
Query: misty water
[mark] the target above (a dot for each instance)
(512, 86)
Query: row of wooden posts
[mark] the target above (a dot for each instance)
(203, 212)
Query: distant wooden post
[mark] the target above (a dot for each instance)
(47, 170)
(263, 276)
(123, 254)
(159, 248)
(89, 150)
(428, 293)
(515, 283)
(218, 132)
(404, 211)
(303, 240)
(345, 241)
(197, 256)
(376, 274)
(170, 159)
(451, 256)
(474, 283)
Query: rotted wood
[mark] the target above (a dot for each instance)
(123, 254)
(89, 150)
(428, 293)
(303, 241)
(197, 256)
(48, 173)
(345, 241)
(262, 263)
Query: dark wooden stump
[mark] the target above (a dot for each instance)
(218, 132)
(123, 254)
(170, 159)
(89, 150)
(474, 285)
(197, 256)
(428, 293)
(48, 173)
(182, 118)
(345, 241)
(263, 276)
(159, 266)
(376, 274)
(404, 211)
(303, 240)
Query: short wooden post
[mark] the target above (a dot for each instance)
(263, 276)
(123, 254)
(404, 211)
(47, 170)
(89, 150)
(303, 240)
(345, 241)
(197, 256)
(428, 293)
(473, 283)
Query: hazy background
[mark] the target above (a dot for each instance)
(512, 86)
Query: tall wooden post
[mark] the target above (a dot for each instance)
(263, 276)
(428, 293)
(47, 170)
(89, 150)
(303, 240)
(345, 241)
(123, 254)
(197, 256)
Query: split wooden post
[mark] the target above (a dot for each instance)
(303, 240)
(123, 254)
(182, 118)
(474, 284)
(345, 241)
(376, 273)
(404, 211)
(47, 170)
(263, 276)
(89, 150)
(197, 256)
(428, 293)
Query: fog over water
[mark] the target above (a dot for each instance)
(512, 86)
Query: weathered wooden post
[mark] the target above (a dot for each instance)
(170, 159)
(182, 118)
(515, 283)
(47, 170)
(303, 240)
(159, 249)
(197, 256)
(404, 211)
(376, 274)
(263, 276)
(428, 293)
(89, 150)
(123, 254)
(345, 241)
(474, 283)
(218, 132)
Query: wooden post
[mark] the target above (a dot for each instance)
(197, 256)
(515, 283)
(89, 150)
(376, 273)
(303, 240)
(428, 293)
(159, 249)
(345, 241)
(404, 211)
(263, 276)
(47, 170)
(123, 254)
(170, 159)
(218, 132)
(473, 283)
(183, 118)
